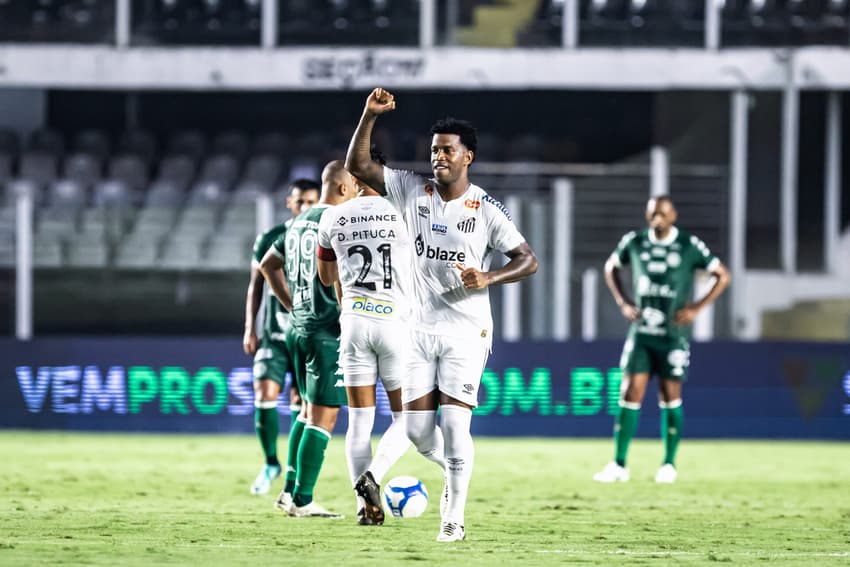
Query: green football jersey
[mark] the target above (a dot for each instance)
(275, 317)
(662, 276)
(314, 306)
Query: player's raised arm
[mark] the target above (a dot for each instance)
(612, 278)
(272, 269)
(358, 160)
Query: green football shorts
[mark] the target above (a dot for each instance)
(272, 361)
(315, 358)
(660, 356)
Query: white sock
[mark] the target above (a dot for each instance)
(460, 454)
(423, 432)
(358, 441)
(391, 447)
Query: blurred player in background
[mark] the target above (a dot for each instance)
(271, 358)
(312, 338)
(663, 259)
(456, 227)
(363, 243)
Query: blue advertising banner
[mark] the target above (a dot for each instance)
(789, 390)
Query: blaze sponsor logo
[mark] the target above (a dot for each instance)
(438, 253)
(342, 221)
(424, 211)
(498, 205)
(372, 306)
(466, 224)
(439, 228)
(472, 204)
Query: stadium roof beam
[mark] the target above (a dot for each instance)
(303, 68)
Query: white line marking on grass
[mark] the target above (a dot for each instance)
(692, 553)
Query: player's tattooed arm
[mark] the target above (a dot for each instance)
(253, 299)
(521, 265)
(615, 284)
(687, 314)
(358, 160)
(272, 269)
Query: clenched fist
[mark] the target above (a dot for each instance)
(379, 102)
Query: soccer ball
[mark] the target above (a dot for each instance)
(405, 497)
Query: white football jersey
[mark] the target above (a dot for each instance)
(373, 255)
(464, 231)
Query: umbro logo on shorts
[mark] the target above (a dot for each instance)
(468, 388)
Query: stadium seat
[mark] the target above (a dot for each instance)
(139, 143)
(263, 170)
(46, 141)
(88, 252)
(138, 251)
(113, 193)
(131, 170)
(232, 143)
(92, 142)
(177, 169)
(56, 223)
(39, 167)
(227, 252)
(273, 143)
(183, 255)
(47, 251)
(164, 193)
(191, 143)
(82, 168)
(66, 194)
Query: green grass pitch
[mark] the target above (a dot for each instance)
(95, 499)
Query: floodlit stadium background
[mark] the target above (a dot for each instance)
(143, 145)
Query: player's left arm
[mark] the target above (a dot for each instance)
(272, 268)
(722, 278)
(522, 264)
(328, 269)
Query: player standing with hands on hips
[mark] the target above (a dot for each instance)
(456, 228)
(663, 260)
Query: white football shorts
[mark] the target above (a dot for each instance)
(449, 364)
(369, 348)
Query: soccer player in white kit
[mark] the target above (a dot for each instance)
(363, 243)
(456, 227)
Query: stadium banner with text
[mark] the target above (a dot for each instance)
(789, 390)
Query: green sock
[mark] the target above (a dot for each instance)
(671, 431)
(624, 429)
(295, 435)
(293, 417)
(311, 455)
(266, 424)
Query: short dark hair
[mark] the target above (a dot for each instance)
(466, 131)
(377, 155)
(305, 184)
